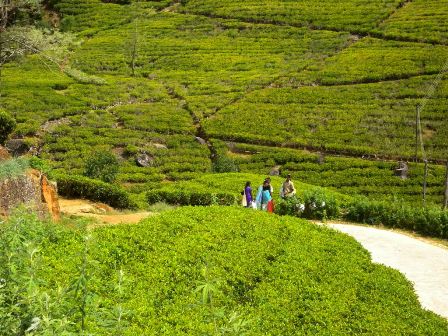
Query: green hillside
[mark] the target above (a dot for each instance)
(204, 271)
(250, 77)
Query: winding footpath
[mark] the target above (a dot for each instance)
(424, 264)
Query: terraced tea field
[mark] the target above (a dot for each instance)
(330, 78)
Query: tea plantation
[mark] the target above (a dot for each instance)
(181, 102)
(202, 271)
(250, 78)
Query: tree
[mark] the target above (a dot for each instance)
(19, 36)
(10, 10)
(102, 165)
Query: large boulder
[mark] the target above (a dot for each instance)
(31, 189)
(145, 160)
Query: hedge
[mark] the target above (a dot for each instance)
(94, 190)
(428, 221)
(188, 197)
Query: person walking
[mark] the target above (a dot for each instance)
(288, 189)
(264, 195)
(248, 194)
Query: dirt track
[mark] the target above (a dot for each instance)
(103, 214)
(424, 264)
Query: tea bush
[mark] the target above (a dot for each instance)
(102, 165)
(82, 187)
(428, 221)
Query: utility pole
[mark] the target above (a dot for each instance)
(417, 121)
(425, 183)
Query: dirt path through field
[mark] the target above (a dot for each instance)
(102, 213)
(424, 264)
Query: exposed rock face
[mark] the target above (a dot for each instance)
(17, 147)
(4, 154)
(32, 189)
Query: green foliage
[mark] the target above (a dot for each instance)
(13, 168)
(28, 305)
(251, 282)
(358, 120)
(195, 197)
(349, 15)
(351, 176)
(83, 78)
(421, 19)
(78, 186)
(7, 125)
(314, 203)
(427, 221)
(224, 164)
(102, 165)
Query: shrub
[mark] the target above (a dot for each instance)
(316, 203)
(251, 261)
(190, 197)
(94, 190)
(224, 164)
(7, 125)
(13, 168)
(102, 165)
(427, 221)
(291, 206)
(320, 204)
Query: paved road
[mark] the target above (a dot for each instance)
(423, 264)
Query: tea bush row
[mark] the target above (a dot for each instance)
(372, 60)
(187, 197)
(350, 176)
(422, 20)
(349, 15)
(365, 119)
(83, 187)
(427, 221)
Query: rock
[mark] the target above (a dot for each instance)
(50, 197)
(160, 146)
(17, 147)
(145, 160)
(275, 171)
(4, 154)
(201, 141)
(321, 159)
(103, 208)
(402, 170)
(34, 191)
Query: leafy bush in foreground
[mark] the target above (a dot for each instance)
(27, 305)
(211, 271)
(94, 190)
